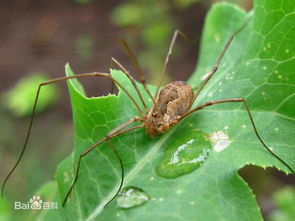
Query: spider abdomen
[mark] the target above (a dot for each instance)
(172, 102)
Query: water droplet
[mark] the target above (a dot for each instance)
(130, 197)
(183, 156)
(220, 140)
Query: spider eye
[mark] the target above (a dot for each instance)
(154, 114)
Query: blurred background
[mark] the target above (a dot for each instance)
(39, 37)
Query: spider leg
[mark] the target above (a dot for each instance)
(114, 133)
(240, 100)
(172, 43)
(137, 67)
(94, 74)
(132, 81)
(122, 172)
(216, 66)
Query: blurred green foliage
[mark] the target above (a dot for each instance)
(85, 47)
(20, 99)
(184, 3)
(284, 200)
(82, 1)
(150, 24)
(5, 210)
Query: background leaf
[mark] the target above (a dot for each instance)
(19, 100)
(257, 67)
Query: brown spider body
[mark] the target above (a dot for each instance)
(171, 103)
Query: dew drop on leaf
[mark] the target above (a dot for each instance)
(183, 157)
(131, 196)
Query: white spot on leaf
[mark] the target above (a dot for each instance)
(210, 94)
(220, 140)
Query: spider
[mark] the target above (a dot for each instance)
(171, 104)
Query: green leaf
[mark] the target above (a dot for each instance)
(48, 194)
(258, 67)
(20, 99)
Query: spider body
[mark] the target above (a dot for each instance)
(173, 101)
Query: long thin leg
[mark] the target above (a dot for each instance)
(112, 91)
(138, 70)
(116, 132)
(172, 43)
(216, 66)
(242, 100)
(95, 74)
(132, 81)
(122, 172)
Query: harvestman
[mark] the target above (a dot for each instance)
(171, 104)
